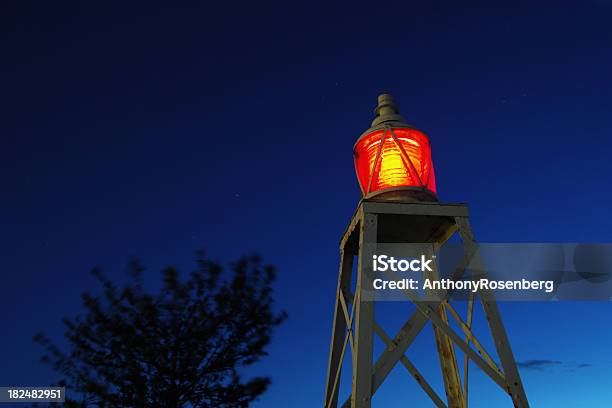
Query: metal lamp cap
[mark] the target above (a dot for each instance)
(387, 111)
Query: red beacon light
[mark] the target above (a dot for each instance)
(393, 159)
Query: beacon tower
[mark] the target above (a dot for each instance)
(399, 204)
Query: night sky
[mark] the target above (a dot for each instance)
(147, 130)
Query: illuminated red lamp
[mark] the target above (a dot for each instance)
(392, 159)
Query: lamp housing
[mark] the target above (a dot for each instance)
(393, 159)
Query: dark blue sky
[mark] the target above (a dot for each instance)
(154, 130)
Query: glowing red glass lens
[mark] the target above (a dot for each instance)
(393, 158)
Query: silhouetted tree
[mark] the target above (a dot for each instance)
(181, 347)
